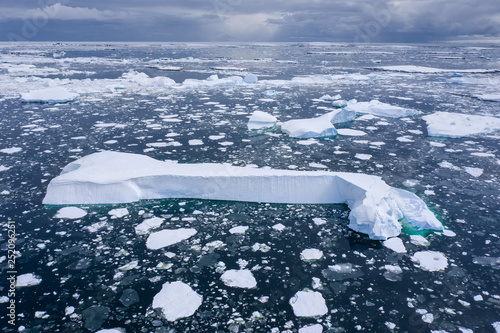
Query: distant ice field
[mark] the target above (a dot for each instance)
(426, 121)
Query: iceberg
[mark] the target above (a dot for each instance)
(261, 120)
(49, 95)
(456, 125)
(318, 127)
(378, 108)
(113, 177)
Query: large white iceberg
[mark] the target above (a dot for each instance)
(261, 120)
(456, 125)
(318, 127)
(113, 177)
(378, 108)
(49, 95)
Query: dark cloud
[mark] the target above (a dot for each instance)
(249, 20)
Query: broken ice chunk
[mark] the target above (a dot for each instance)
(431, 261)
(308, 304)
(166, 238)
(261, 120)
(177, 300)
(70, 213)
(49, 95)
(242, 278)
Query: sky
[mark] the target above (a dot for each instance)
(409, 21)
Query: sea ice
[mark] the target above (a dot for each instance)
(311, 254)
(318, 127)
(113, 177)
(112, 330)
(242, 278)
(378, 108)
(261, 120)
(430, 70)
(432, 261)
(474, 172)
(177, 300)
(489, 97)
(12, 150)
(168, 237)
(49, 95)
(350, 132)
(70, 213)
(28, 280)
(395, 244)
(316, 328)
(239, 230)
(147, 225)
(496, 326)
(118, 212)
(308, 304)
(456, 125)
(250, 78)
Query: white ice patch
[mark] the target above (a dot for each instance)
(177, 300)
(350, 132)
(70, 213)
(242, 278)
(317, 127)
(49, 95)
(432, 261)
(311, 254)
(378, 108)
(496, 326)
(4, 168)
(363, 157)
(12, 150)
(147, 225)
(169, 237)
(316, 328)
(196, 142)
(395, 244)
(112, 177)
(419, 240)
(456, 125)
(118, 212)
(474, 172)
(319, 221)
(261, 120)
(308, 304)
(239, 230)
(112, 330)
(28, 280)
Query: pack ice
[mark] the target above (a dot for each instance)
(113, 177)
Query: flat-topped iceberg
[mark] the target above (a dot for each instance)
(318, 127)
(261, 120)
(456, 125)
(113, 177)
(378, 108)
(49, 95)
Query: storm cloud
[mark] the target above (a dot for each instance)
(249, 20)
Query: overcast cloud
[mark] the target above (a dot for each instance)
(249, 20)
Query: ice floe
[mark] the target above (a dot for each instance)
(177, 300)
(238, 230)
(148, 224)
(164, 238)
(261, 120)
(311, 254)
(49, 95)
(318, 127)
(242, 278)
(395, 244)
(378, 108)
(316, 328)
(70, 213)
(12, 150)
(113, 177)
(118, 212)
(28, 280)
(430, 70)
(112, 330)
(456, 125)
(431, 261)
(308, 304)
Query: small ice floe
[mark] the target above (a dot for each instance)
(196, 142)
(392, 272)
(118, 213)
(474, 172)
(164, 238)
(279, 227)
(148, 224)
(456, 125)
(378, 108)
(489, 97)
(239, 230)
(431, 261)
(308, 304)
(112, 330)
(311, 254)
(242, 278)
(12, 150)
(250, 78)
(419, 240)
(318, 127)
(261, 120)
(319, 221)
(496, 326)
(49, 95)
(4, 168)
(395, 244)
(316, 328)
(131, 265)
(269, 93)
(94, 227)
(339, 103)
(177, 300)
(363, 157)
(261, 247)
(70, 213)
(28, 280)
(350, 132)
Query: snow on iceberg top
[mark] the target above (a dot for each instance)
(112, 177)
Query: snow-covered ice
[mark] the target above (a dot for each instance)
(177, 300)
(164, 238)
(112, 177)
(308, 304)
(28, 280)
(432, 261)
(148, 224)
(456, 125)
(395, 244)
(315, 328)
(242, 278)
(261, 120)
(49, 95)
(378, 108)
(70, 213)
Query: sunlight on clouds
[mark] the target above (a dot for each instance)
(250, 27)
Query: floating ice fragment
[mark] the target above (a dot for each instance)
(279, 227)
(70, 213)
(148, 224)
(432, 261)
(350, 132)
(112, 330)
(456, 125)
(419, 240)
(28, 280)
(378, 108)
(118, 212)
(319, 221)
(195, 142)
(496, 326)
(238, 230)
(49, 95)
(177, 300)
(261, 120)
(12, 150)
(166, 238)
(395, 244)
(316, 328)
(242, 278)
(250, 78)
(308, 304)
(311, 254)
(317, 127)
(475, 172)
(363, 157)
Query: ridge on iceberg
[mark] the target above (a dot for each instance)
(318, 127)
(49, 95)
(378, 108)
(261, 120)
(113, 177)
